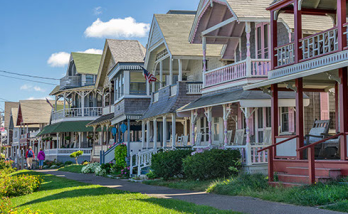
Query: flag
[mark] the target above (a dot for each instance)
(149, 77)
(49, 103)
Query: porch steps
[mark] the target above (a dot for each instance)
(297, 176)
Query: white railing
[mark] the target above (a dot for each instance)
(97, 148)
(141, 160)
(77, 112)
(250, 155)
(70, 82)
(33, 134)
(67, 152)
(194, 88)
(173, 90)
(285, 54)
(106, 110)
(319, 44)
(237, 71)
(161, 54)
(155, 97)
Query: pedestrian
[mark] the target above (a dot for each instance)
(29, 155)
(41, 156)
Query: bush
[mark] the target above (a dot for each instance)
(6, 205)
(151, 175)
(107, 167)
(99, 171)
(68, 163)
(211, 164)
(11, 186)
(168, 164)
(120, 157)
(90, 168)
(76, 155)
(85, 163)
(5, 164)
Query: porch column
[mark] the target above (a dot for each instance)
(208, 114)
(173, 130)
(226, 113)
(185, 126)
(193, 124)
(274, 123)
(155, 133)
(274, 40)
(161, 74)
(128, 137)
(299, 116)
(142, 134)
(80, 140)
(247, 114)
(298, 31)
(341, 20)
(180, 70)
(148, 136)
(147, 89)
(153, 83)
(55, 103)
(204, 47)
(337, 125)
(58, 141)
(83, 104)
(102, 135)
(64, 101)
(107, 135)
(164, 131)
(343, 94)
(171, 70)
(248, 58)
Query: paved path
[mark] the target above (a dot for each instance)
(235, 203)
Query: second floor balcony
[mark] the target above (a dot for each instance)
(233, 72)
(70, 82)
(77, 113)
(187, 88)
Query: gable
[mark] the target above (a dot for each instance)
(155, 35)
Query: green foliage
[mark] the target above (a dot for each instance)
(67, 138)
(107, 167)
(120, 157)
(5, 164)
(151, 175)
(71, 168)
(11, 186)
(210, 164)
(76, 155)
(68, 163)
(2, 156)
(168, 164)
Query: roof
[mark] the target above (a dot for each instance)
(126, 50)
(250, 8)
(309, 22)
(14, 113)
(34, 111)
(8, 108)
(235, 96)
(176, 29)
(103, 119)
(86, 63)
(57, 90)
(74, 126)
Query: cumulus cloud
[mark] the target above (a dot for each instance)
(40, 98)
(116, 28)
(59, 59)
(97, 11)
(27, 87)
(92, 51)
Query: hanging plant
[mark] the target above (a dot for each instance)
(89, 137)
(67, 137)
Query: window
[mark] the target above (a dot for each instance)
(99, 100)
(90, 99)
(137, 84)
(216, 128)
(285, 119)
(89, 79)
(268, 117)
(262, 41)
(260, 124)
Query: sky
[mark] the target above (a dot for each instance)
(36, 37)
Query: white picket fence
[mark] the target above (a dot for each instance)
(141, 160)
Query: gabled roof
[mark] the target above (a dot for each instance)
(8, 108)
(86, 63)
(34, 112)
(14, 116)
(176, 29)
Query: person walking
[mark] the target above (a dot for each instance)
(41, 156)
(29, 155)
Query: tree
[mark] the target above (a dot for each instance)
(76, 155)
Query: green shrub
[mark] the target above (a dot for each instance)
(168, 164)
(211, 164)
(11, 186)
(107, 167)
(151, 175)
(120, 157)
(5, 164)
(76, 155)
(68, 163)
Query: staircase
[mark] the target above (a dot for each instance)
(109, 155)
(298, 176)
(141, 161)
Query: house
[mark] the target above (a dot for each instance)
(121, 79)
(7, 117)
(309, 62)
(82, 103)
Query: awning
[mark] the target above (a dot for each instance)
(245, 98)
(101, 120)
(73, 126)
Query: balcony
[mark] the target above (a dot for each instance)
(70, 82)
(194, 88)
(315, 51)
(108, 109)
(236, 71)
(77, 113)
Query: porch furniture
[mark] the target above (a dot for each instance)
(267, 136)
(198, 139)
(330, 149)
(229, 137)
(185, 140)
(239, 137)
(318, 132)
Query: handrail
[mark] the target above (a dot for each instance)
(281, 142)
(226, 66)
(307, 37)
(291, 43)
(318, 142)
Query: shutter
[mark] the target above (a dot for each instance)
(291, 119)
(324, 106)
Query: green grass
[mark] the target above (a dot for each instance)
(333, 196)
(60, 195)
(71, 168)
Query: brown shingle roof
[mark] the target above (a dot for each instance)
(126, 50)
(8, 109)
(14, 113)
(35, 111)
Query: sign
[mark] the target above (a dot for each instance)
(123, 128)
(114, 131)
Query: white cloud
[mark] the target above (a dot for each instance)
(116, 28)
(97, 11)
(59, 59)
(92, 51)
(40, 98)
(31, 88)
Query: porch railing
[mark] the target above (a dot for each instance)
(67, 152)
(141, 160)
(173, 90)
(77, 112)
(285, 54)
(237, 71)
(194, 88)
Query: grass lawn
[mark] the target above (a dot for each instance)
(60, 195)
(333, 196)
(72, 168)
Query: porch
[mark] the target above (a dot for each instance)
(63, 155)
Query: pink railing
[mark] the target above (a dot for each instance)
(236, 71)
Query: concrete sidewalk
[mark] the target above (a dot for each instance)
(235, 203)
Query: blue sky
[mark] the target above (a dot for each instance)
(31, 31)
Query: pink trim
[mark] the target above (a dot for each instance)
(251, 122)
(324, 106)
(291, 119)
